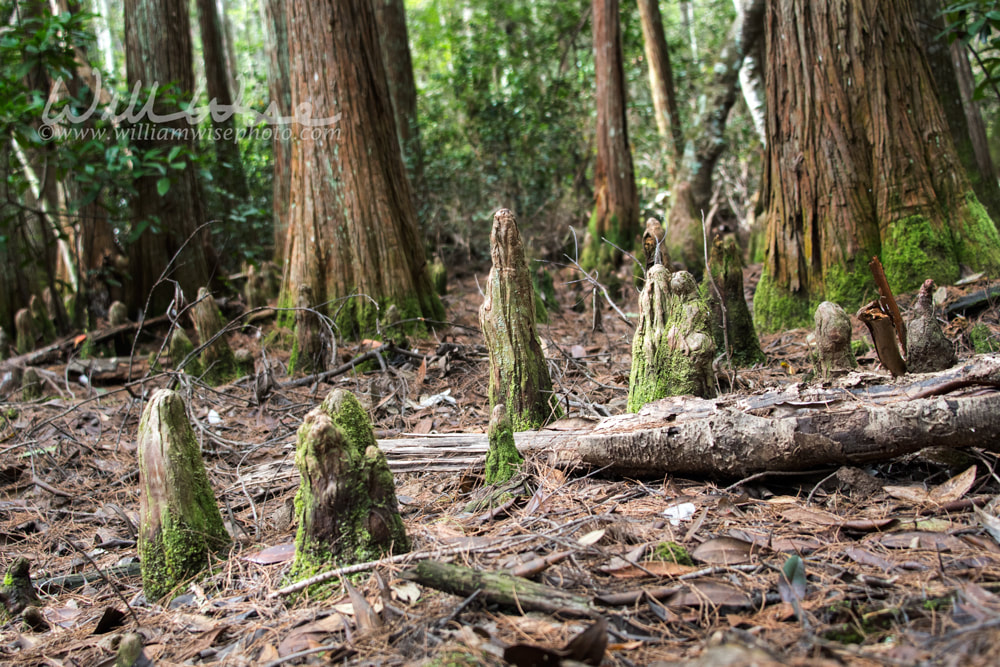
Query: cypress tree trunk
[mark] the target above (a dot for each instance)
(354, 231)
(275, 23)
(860, 162)
(158, 49)
(616, 212)
(661, 78)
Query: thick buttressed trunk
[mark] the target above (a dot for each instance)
(692, 191)
(860, 162)
(158, 49)
(616, 211)
(354, 237)
(519, 374)
(390, 16)
(230, 169)
(279, 87)
(661, 78)
(949, 65)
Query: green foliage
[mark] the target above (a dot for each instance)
(976, 24)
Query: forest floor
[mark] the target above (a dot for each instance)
(891, 577)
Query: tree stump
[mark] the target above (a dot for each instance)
(309, 354)
(726, 265)
(27, 336)
(217, 361)
(346, 504)
(43, 323)
(31, 385)
(179, 520)
(927, 348)
(519, 375)
(502, 460)
(672, 351)
(833, 340)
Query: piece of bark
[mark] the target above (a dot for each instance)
(218, 364)
(310, 354)
(726, 264)
(498, 588)
(928, 350)
(179, 520)
(31, 385)
(519, 374)
(653, 245)
(502, 459)
(883, 333)
(672, 351)
(346, 503)
(17, 592)
(888, 300)
(833, 340)
(27, 335)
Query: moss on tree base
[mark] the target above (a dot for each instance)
(179, 520)
(502, 460)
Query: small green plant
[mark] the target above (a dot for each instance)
(672, 552)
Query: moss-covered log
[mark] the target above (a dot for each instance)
(726, 263)
(346, 504)
(833, 339)
(519, 375)
(179, 521)
(927, 348)
(218, 364)
(502, 460)
(24, 324)
(309, 354)
(672, 351)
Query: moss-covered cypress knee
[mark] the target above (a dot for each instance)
(439, 276)
(31, 385)
(502, 460)
(17, 592)
(217, 360)
(833, 339)
(24, 324)
(672, 351)
(927, 348)
(346, 504)
(726, 266)
(519, 375)
(179, 520)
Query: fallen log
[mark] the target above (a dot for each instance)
(794, 428)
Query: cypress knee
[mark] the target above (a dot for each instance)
(726, 266)
(309, 354)
(24, 325)
(519, 375)
(833, 339)
(672, 351)
(927, 348)
(179, 520)
(217, 360)
(346, 504)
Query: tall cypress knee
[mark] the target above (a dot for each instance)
(179, 520)
(519, 376)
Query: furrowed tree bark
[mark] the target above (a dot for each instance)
(275, 22)
(346, 505)
(229, 171)
(390, 16)
(179, 521)
(860, 162)
(158, 50)
(519, 375)
(672, 350)
(661, 79)
(311, 354)
(616, 211)
(354, 231)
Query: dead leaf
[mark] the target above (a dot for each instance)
(724, 551)
(921, 540)
(912, 494)
(955, 488)
(589, 646)
(865, 557)
(405, 591)
(310, 635)
(593, 537)
(715, 593)
(364, 615)
(990, 523)
(807, 516)
(661, 568)
(279, 553)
